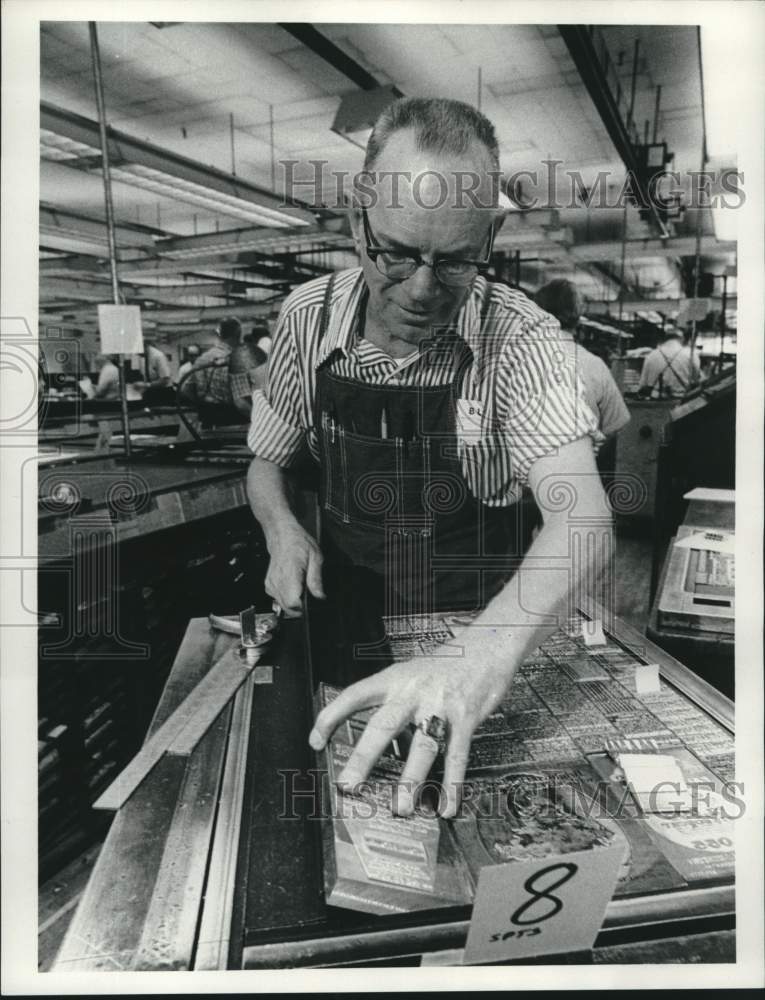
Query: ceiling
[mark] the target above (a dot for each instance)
(226, 103)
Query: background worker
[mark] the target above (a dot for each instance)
(157, 383)
(192, 353)
(248, 367)
(562, 300)
(108, 383)
(670, 369)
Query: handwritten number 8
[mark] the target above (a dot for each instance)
(530, 885)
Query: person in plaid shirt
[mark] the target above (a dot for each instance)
(209, 380)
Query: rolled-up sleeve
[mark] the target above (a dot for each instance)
(276, 433)
(540, 397)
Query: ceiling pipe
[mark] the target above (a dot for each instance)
(579, 43)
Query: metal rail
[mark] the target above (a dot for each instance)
(670, 909)
(213, 940)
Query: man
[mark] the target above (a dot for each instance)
(428, 398)
(561, 299)
(260, 338)
(108, 384)
(192, 353)
(156, 385)
(670, 369)
(248, 367)
(209, 382)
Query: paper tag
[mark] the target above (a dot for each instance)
(551, 906)
(120, 329)
(470, 422)
(592, 633)
(263, 674)
(647, 678)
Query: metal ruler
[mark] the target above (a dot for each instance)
(184, 728)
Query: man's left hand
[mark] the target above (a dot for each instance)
(452, 689)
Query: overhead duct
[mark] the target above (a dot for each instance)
(359, 110)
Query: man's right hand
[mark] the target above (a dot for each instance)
(295, 564)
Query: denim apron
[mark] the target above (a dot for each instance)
(401, 533)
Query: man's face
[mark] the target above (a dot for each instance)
(414, 309)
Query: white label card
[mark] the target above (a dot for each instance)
(647, 678)
(120, 329)
(592, 633)
(470, 418)
(551, 906)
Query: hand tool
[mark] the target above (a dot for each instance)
(185, 727)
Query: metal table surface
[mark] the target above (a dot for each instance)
(212, 865)
(155, 490)
(142, 903)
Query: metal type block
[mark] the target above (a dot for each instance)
(551, 748)
(637, 722)
(585, 670)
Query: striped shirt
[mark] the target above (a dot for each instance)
(521, 398)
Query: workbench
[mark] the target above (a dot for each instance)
(208, 866)
(128, 551)
(94, 426)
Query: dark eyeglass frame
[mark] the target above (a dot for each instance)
(374, 252)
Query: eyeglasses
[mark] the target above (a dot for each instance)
(456, 273)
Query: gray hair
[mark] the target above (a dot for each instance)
(440, 126)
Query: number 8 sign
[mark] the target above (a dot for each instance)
(537, 892)
(554, 905)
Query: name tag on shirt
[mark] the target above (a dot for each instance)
(471, 419)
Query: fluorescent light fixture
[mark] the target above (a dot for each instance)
(198, 195)
(58, 147)
(511, 238)
(293, 243)
(69, 138)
